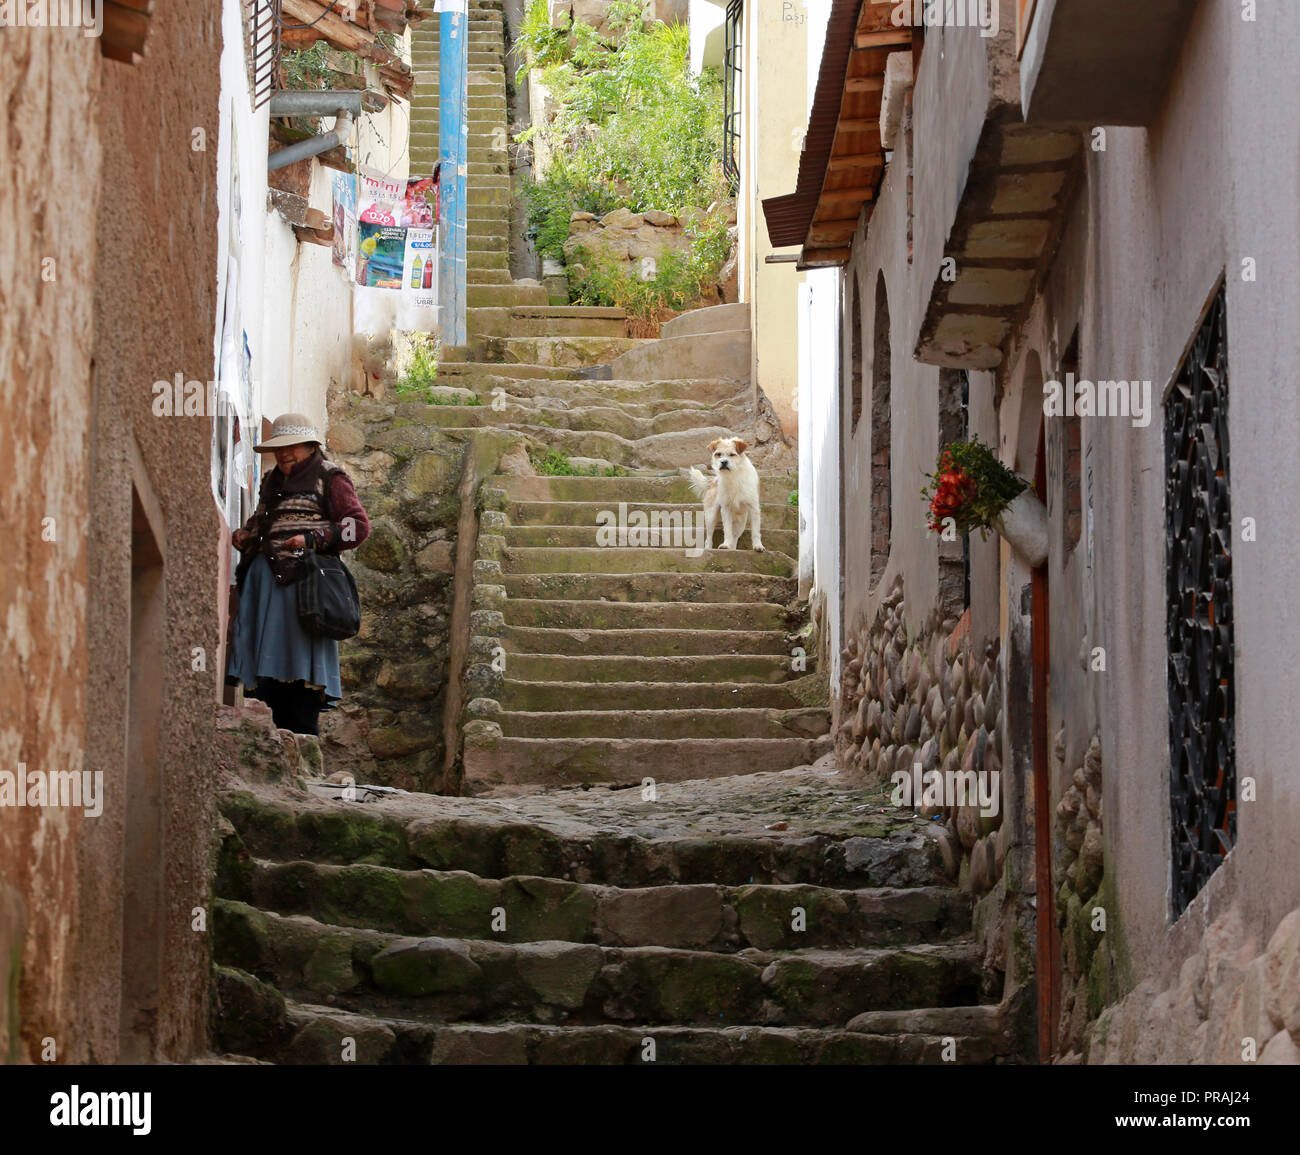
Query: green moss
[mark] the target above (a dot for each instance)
(347, 836)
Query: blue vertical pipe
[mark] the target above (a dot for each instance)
(453, 156)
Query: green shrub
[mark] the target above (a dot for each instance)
(553, 463)
(422, 373)
(634, 128)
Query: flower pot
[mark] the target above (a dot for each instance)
(1024, 525)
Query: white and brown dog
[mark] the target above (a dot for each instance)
(733, 492)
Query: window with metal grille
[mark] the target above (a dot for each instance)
(261, 47)
(1199, 618)
(731, 94)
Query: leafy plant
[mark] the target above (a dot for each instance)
(422, 371)
(553, 463)
(970, 486)
(634, 129)
(793, 499)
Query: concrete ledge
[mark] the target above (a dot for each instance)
(715, 319)
(720, 354)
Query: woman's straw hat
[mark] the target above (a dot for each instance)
(289, 429)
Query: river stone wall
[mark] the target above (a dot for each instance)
(935, 699)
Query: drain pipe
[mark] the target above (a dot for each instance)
(313, 145)
(345, 105)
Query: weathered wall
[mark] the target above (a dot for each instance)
(775, 117)
(103, 180)
(1164, 213)
(155, 295)
(49, 190)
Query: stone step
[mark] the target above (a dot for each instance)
(478, 275)
(644, 643)
(636, 722)
(562, 325)
(670, 487)
(480, 296)
(487, 258)
(571, 352)
(581, 513)
(442, 979)
(651, 587)
(598, 615)
(685, 530)
(764, 668)
(683, 392)
(539, 421)
(449, 367)
(881, 851)
(492, 761)
(312, 1034)
(519, 696)
(673, 449)
(628, 559)
(699, 916)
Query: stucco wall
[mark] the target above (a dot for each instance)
(104, 180)
(1170, 209)
(775, 47)
(47, 212)
(154, 303)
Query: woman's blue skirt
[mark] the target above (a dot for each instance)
(270, 641)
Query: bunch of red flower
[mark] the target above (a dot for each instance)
(953, 490)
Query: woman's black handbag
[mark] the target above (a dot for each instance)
(327, 597)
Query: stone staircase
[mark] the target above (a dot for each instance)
(577, 927)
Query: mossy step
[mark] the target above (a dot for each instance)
(315, 1035)
(658, 642)
(617, 559)
(492, 760)
(681, 527)
(454, 834)
(651, 587)
(572, 352)
(445, 978)
(637, 722)
(577, 420)
(521, 513)
(698, 917)
(519, 695)
(566, 327)
(480, 296)
(767, 668)
(449, 368)
(666, 487)
(684, 393)
(478, 275)
(598, 615)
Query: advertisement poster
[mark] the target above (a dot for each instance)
(345, 219)
(381, 256)
(397, 238)
(421, 270)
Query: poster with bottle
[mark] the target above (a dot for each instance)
(421, 270)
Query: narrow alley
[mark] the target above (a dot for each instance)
(661, 533)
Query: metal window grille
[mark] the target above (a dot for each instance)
(731, 94)
(1199, 620)
(262, 47)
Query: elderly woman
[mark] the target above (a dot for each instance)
(306, 502)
